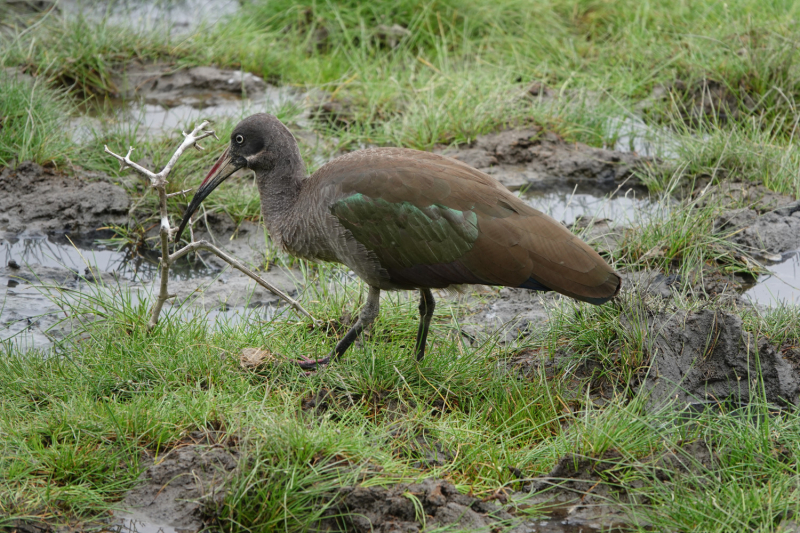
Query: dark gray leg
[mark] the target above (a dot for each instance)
(368, 314)
(426, 307)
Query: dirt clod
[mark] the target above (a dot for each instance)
(705, 356)
(408, 508)
(178, 489)
(774, 232)
(34, 198)
(541, 160)
(162, 84)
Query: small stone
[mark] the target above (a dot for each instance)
(13, 264)
(252, 358)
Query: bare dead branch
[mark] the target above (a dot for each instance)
(205, 245)
(159, 182)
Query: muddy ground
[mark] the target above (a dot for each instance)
(534, 159)
(34, 199)
(182, 488)
(701, 357)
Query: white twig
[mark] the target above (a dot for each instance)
(159, 182)
(170, 195)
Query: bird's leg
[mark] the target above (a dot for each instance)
(368, 314)
(426, 307)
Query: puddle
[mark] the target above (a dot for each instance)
(781, 286)
(568, 207)
(39, 275)
(32, 267)
(635, 135)
(174, 16)
(77, 254)
(150, 119)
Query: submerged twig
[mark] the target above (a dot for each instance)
(159, 182)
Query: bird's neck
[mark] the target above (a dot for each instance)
(279, 193)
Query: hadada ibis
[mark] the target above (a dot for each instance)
(405, 219)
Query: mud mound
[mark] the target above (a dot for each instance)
(577, 492)
(541, 160)
(775, 232)
(175, 490)
(736, 195)
(33, 198)
(409, 508)
(510, 313)
(706, 357)
(162, 84)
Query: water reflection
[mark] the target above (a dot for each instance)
(567, 208)
(781, 286)
(174, 17)
(79, 254)
(151, 118)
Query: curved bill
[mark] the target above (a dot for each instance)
(221, 170)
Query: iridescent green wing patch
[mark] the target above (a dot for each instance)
(403, 235)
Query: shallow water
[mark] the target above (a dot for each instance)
(149, 119)
(76, 255)
(51, 274)
(567, 208)
(634, 135)
(781, 286)
(172, 16)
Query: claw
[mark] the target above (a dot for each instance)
(311, 364)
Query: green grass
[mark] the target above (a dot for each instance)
(73, 427)
(33, 119)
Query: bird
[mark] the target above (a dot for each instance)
(404, 219)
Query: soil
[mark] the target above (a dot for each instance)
(697, 358)
(705, 356)
(182, 487)
(537, 160)
(731, 194)
(770, 234)
(508, 312)
(35, 199)
(160, 83)
(582, 482)
(392, 509)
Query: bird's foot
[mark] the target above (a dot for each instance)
(311, 364)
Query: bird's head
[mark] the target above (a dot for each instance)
(261, 143)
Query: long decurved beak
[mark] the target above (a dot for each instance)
(221, 170)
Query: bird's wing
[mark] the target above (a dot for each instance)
(433, 221)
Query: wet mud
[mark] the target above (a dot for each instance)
(183, 488)
(706, 357)
(534, 159)
(701, 358)
(163, 84)
(38, 199)
(768, 235)
(410, 508)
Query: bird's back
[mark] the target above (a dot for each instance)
(408, 219)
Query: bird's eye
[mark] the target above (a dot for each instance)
(239, 139)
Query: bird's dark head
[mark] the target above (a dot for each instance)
(261, 143)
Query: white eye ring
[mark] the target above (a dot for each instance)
(239, 139)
